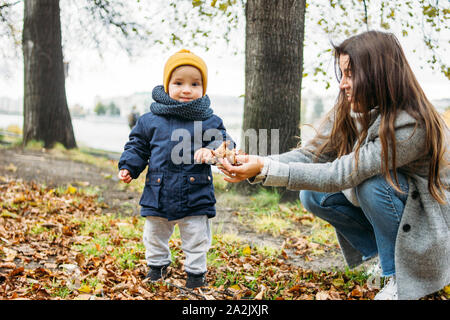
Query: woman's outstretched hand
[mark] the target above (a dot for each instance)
(251, 166)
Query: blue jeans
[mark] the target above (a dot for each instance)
(372, 227)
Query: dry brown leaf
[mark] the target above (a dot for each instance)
(80, 259)
(16, 272)
(11, 167)
(260, 295)
(8, 265)
(322, 295)
(10, 254)
(357, 292)
(83, 297)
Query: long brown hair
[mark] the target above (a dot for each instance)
(382, 78)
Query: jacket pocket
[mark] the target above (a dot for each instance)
(150, 196)
(201, 190)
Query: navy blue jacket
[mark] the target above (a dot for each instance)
(175, 186)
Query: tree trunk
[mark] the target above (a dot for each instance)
(273, 72)
(46, 114)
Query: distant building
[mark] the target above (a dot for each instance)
(77, 111)
(141, 100)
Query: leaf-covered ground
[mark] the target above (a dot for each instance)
(64, 243)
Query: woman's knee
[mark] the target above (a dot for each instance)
(365, 190)
(374, 187)
(309, 200)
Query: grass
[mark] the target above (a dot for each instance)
(261, 211)
(119, 236)
(108, 250)
(264, 213)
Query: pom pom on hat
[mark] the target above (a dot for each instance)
(182, 58)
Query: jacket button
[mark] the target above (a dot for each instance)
(415, 194)
(192, 179)
(209, 178)
(159, 180)
(406, 227)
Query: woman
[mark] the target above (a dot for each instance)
(377, 170)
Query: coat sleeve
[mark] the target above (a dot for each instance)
(341, 173)
(136, 151)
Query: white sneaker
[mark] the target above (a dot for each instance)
(374, 279)
(389, 291)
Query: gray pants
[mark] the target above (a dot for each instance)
(195, 235)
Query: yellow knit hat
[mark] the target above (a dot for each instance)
(182, 58)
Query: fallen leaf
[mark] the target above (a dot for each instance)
(69, 267)
(98, 288)
(447, 289)
(79, 258)
(19, 198)
(285, 209)
(338, 282)
(284, 254)
(7, 214)
(295, 288)
(83, 183)
(41, 272)
(10, 254)
(50, 265)
(26, 250)
(247, 251)
(50, 225)
(71, 189)
(81, 239)
(235, 287)
(8, 265)
(16, 271)
(11, 167)
(83, 297)
(249, 278)
(67, 231)
(335, 295)
(260, 295)
(84, 289)
(322, 295)
(247, 267)
(357, 292)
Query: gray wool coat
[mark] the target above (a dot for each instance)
(422, 251)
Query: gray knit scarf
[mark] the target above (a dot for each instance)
(194, 110)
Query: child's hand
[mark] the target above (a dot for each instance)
(203, 155)
(124, 175)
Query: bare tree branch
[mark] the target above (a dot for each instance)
(366, 18)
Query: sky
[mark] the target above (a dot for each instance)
(117, 75)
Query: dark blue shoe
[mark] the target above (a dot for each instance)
(157, 272)
(195, 280)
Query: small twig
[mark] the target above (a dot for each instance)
(185, 289)
(6, 5)
(365, 15)
(230, 294)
